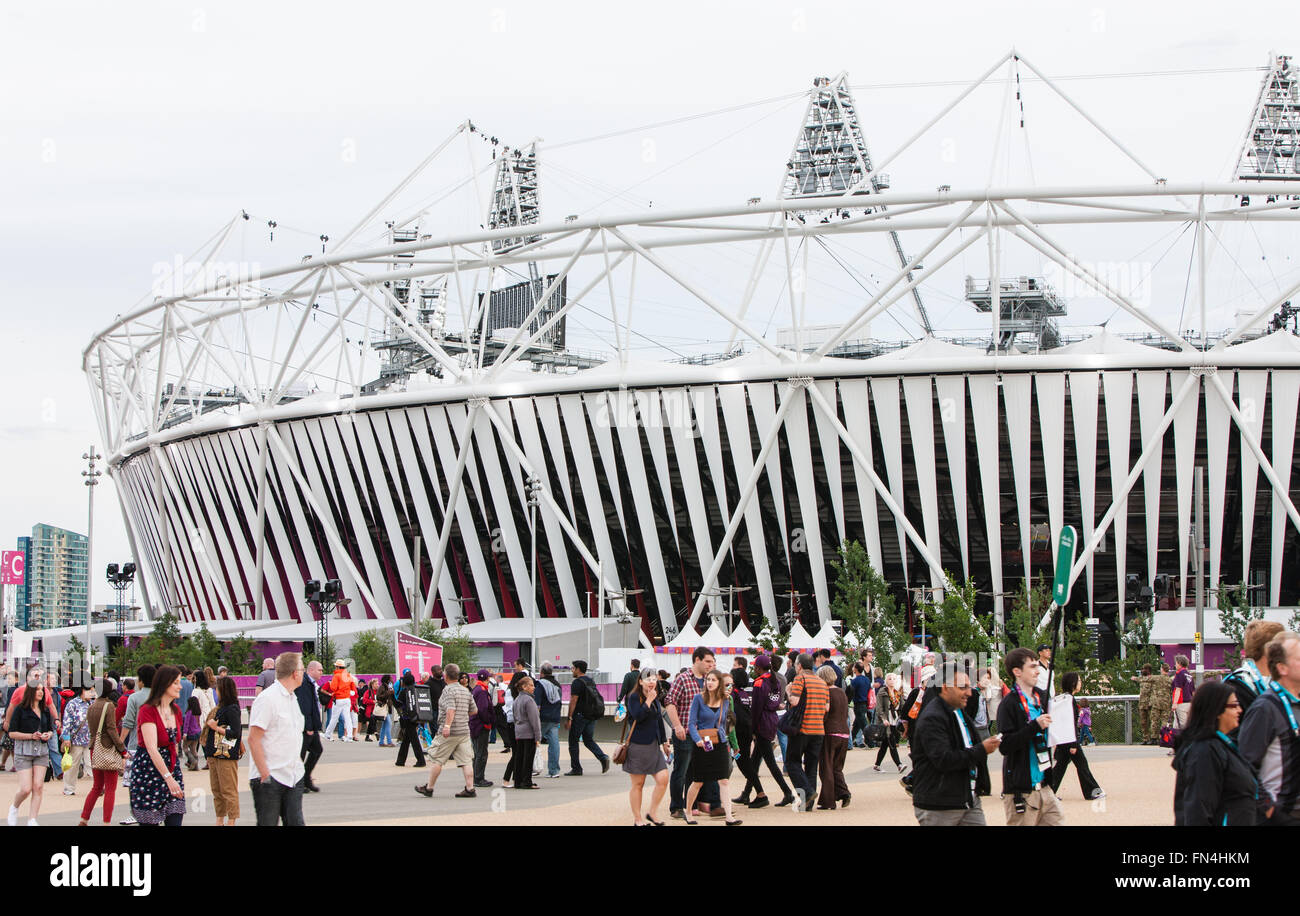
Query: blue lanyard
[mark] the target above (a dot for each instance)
(965, 732)
(1287, 699)
(1261, 683)
(1227, 740)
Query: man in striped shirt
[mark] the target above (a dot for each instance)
(804, 751)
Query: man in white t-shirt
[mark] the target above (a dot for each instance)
(275, 727)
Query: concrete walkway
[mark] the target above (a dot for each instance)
(361, 785)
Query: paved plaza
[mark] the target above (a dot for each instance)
(360, 785)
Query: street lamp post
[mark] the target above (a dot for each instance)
(534, 495)
(91, 475)
(120, 578)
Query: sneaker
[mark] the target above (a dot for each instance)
(760, 802)
(128, 821)
(677, 814)
(68, 790)
(329, 738)
(553, 775)
(483, 784)
(574, 773)
(876, 767)
(31, 822)
(467, 793)
(604, 764)
(1099, 793)
(13, 816)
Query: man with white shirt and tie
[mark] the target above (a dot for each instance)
(275, 732)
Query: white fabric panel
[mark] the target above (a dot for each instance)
(1151, 409)
(884, 399)
(652, 421)
(1286, 398)
(984, 416)
(1051, 424)
(514, 537)
(1217, 424)
(241, 449)
(1017, 394)
(704, 401)
(796, 432)
(204, 596)
(1083, 407)
(735, 413)
(830, 446)
(323, 434)
(203, 538)
(399, 423)
(684, 448)
(220, 483)
(1252, 390)
(919, 393)
(386, 508)
(599, 410)
(762, 400)
(548, 412)
(369, 566)
(952, 415)
(1185, 459)
(629, 437)
(857, 422)
(585, 467)
(446, 424)
(1118, 387)
(556, 539)
(279, 477)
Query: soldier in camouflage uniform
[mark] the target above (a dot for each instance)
(1155, 702)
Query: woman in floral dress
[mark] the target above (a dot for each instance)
(157, 787)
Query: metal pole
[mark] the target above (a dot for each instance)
(534, 485)
(415, 578)
(1198, 540)
(92, 478)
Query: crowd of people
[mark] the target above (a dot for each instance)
(700, 737)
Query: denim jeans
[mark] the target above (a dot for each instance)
(861, 721)
(583, 730)
(386, 731)
(56, 756)
(275, 802)
(551, 735)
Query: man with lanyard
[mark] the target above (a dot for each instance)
(1247, 681)
(1269, 737)
(480, 726)
(1027, 796)
(950, 767)
(683, 690)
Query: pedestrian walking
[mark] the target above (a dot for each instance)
(685, 687)
(31, 723)
(861, 692)
(223, 747)
(742, 717)
(835, 744)
(1184, 688)
(107, 756)
(950, 772)
(1072, 753)
(1027, 796)
(76, 736)
(1215, 786)
(1270, 736)
(528, 728)
(343, 688)
(765, 697)
(647, 747)
(383, 710)
(481, 722)
(586, 707)
(275, 727)
(810, 692)
(452, 742)
(710, 761)
(308, 696)
(550, 709)
(157, 786)
(408, 717)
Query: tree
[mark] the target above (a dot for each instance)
(457, 648)
(770, 640)
(241, 656)
(1234, 616)
(207, 648)
(373, 653)
(953, 622)
(862, 601)
(1021, 626)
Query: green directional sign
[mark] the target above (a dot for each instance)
(1064, 562)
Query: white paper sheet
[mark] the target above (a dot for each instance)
(1062, 728)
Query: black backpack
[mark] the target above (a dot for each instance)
(591, 705)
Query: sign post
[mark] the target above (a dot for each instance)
(415, 653)
(12, 574)
(1064, 563)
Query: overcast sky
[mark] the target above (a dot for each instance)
(132, 131)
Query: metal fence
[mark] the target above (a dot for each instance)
(1115, 719)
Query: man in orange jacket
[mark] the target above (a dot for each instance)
(343, 687)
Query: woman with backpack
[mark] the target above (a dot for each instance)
(407, 715)
(888, 699)
(223, 748)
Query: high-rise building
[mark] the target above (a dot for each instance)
(24, 591)
(57, 578)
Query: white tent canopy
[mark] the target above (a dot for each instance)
(799, 638)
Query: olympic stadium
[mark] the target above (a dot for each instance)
(416, 408)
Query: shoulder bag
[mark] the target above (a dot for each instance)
(105, 758)
(792, 719)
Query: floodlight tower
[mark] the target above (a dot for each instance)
(1271, 149)
(830, 156)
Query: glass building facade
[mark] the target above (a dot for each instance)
(57, 578)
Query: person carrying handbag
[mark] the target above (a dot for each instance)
(223, 747)
(107, 756)
(642, 750)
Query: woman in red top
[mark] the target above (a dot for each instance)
(157, 787)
